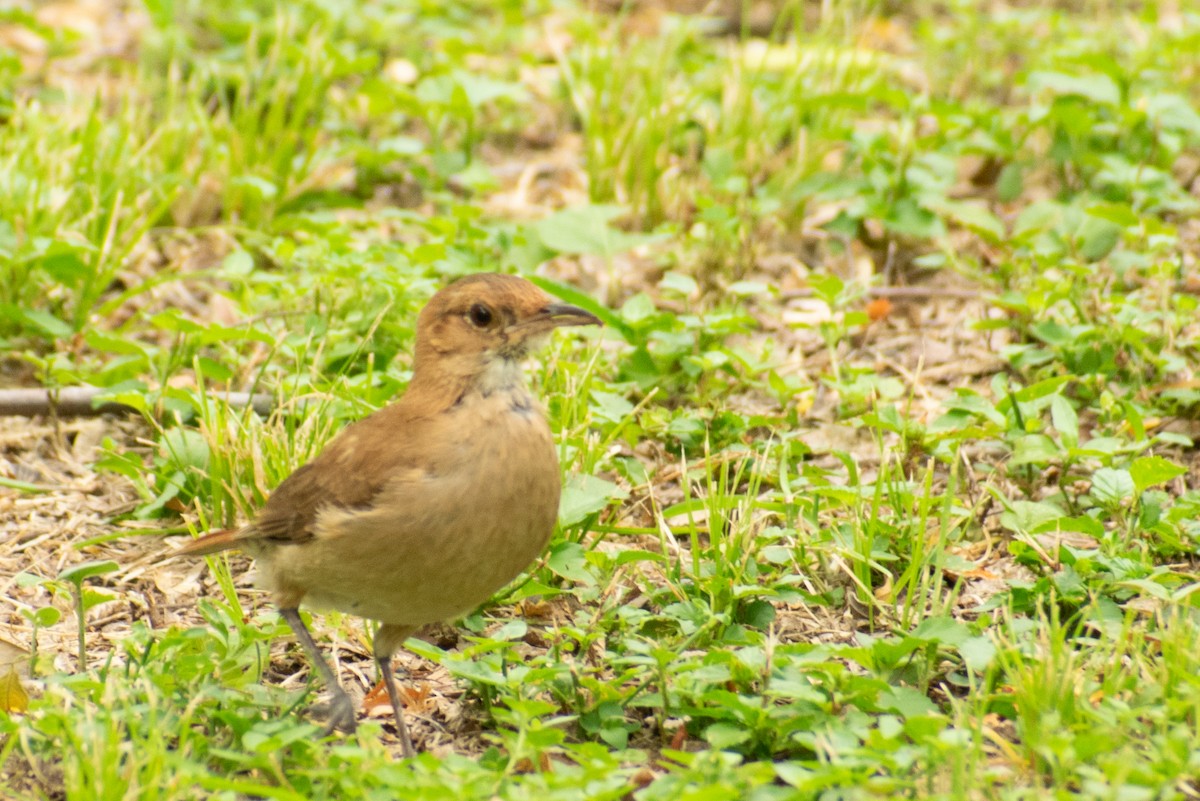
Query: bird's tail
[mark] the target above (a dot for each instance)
(212, 542)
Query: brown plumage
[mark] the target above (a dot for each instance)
(425, 508)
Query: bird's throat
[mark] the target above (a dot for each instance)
(501, 375)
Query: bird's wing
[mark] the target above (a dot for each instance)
(348, 474)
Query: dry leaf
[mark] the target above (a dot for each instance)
(13, 657)
(13, 697)
(376, 702)
(878, 309)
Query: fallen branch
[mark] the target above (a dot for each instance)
(81, 402)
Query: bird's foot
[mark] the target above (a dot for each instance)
(342, 716)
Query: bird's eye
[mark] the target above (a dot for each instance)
(480, 315)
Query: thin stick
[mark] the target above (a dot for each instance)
(81, 402)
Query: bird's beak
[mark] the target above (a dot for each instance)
(560, 314)
(556, 315)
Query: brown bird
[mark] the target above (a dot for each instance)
(419, 512)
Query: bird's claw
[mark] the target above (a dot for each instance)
(342, 717)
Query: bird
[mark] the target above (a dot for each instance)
(424, 509)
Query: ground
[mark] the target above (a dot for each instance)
(879, 481)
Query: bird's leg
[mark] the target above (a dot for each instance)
(341, 708)
(387, 639)
(389, 679)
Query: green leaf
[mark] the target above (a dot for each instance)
(943, 629)
(1028, 516)
(107, 343)
(186, 448)
(63, 264)
(77, 574)
(1147, 587)
(569, 560)
(759, 614)
(585, 495)
(92, 597)
(1040, 389)
(1010, 183)
(906, 702)
(1034, 449)
(47, 323)
(977, 652)
(1096, 238)
(725, 735)
(748, 289)
(399, 146)
(975, 216)
(1065, 420)
(1111, 486)
(46, 616)
(1149, 471)
(610, 406)
(679, 284)
(238, 262)
(907, 218)
(586, 229)
(1097, 87)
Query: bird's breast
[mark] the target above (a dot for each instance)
(444, 533)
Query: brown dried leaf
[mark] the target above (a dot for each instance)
(13, 657)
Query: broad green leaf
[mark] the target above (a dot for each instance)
(259, 188)
(1096, 238)
(725, 735)
(1147, 587)
(46, 616)
(92, 597)
(511, 630)
(977, 652)
(587, 229)
(794, 774)
(238, 262)
(907, 218)
(1096, 87)
(975, 216)
(679, 284)
(186, 447)
(107, 343)
(610, 406)
(585, 495)
(569, 560)
(906, 701)
(1028, 516)
(1035, 449)
(1111, 486)
(1149, 471)
(943, 629)
(76, 574)
(1173, 112)
(63, 264)
(1010, 183)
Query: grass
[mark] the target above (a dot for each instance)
(881, 480)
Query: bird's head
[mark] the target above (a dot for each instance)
(482, 320)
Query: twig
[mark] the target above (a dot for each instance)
(900, 292)
(81, 402)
